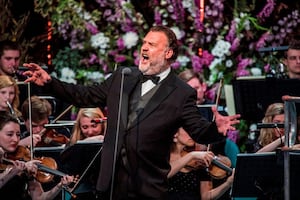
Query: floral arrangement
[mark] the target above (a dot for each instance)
(104, 34)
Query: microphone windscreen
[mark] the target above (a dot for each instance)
(126, 70)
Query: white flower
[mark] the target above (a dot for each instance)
(67, 75)
(187, 3)
(183, 60)
(130, 39)
(255, 71)
(179, 34)
(95, 76)
(221, 48)
(214, 63)
(228, 63)
(100, 41)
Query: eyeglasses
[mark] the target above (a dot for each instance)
(293, 58)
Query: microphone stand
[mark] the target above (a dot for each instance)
(124, 71)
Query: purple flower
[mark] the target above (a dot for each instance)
(267, 67)
(232, 32)
(175, 65)
(120, 58)
(206, 58)
(262, 40)
(267, 10)
(93, 59)
(120, 44)
(91, 28)
(242, 72)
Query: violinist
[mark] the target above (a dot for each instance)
(87, 129)
(188, 182)
(40, 111)
(90, 126)
(17, 178)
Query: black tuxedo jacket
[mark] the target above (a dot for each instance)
(148, 139)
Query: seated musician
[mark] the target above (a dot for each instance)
(271, 138)
(41, 110)
(9, 95)
(86, 128)
(275, 114)
(90, 126)
(18, 178)
(184, 170)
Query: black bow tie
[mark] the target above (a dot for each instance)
(155, 79)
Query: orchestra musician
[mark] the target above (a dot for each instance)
(40, 111)
(17, 179)
(191, 167)
(86, 128)
(37, 115)
(90, 126)
(274, 114)
(9, 95)
(292, 58)
(153, 111)
(10, 55)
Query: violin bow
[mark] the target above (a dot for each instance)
(219, 92)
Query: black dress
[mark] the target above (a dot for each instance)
(186, 186)
(15, 189)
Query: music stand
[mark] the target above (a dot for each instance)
(79, 159)
(253, 96)
(258, 175)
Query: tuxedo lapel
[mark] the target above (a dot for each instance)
(130, 83)
(161, 94)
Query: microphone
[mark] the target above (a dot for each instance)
(290, 98)
(99, 120)
(125, 71)
(270, 125)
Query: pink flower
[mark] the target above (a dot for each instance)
(267, 10)
(91, 28)
(120, 58)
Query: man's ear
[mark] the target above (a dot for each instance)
(204, 87)
(169, 53)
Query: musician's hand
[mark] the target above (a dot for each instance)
(67, 180)
(231, 177)
(36, 138)
(225, 123)
(36, 74)
(31, 166)
(18, 166)
(204, 157)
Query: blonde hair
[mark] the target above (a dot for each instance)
(266, 134)
(86, 112)
(7, 81)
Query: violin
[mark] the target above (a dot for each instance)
(218, 169)
(46, 169)
(50, 137)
